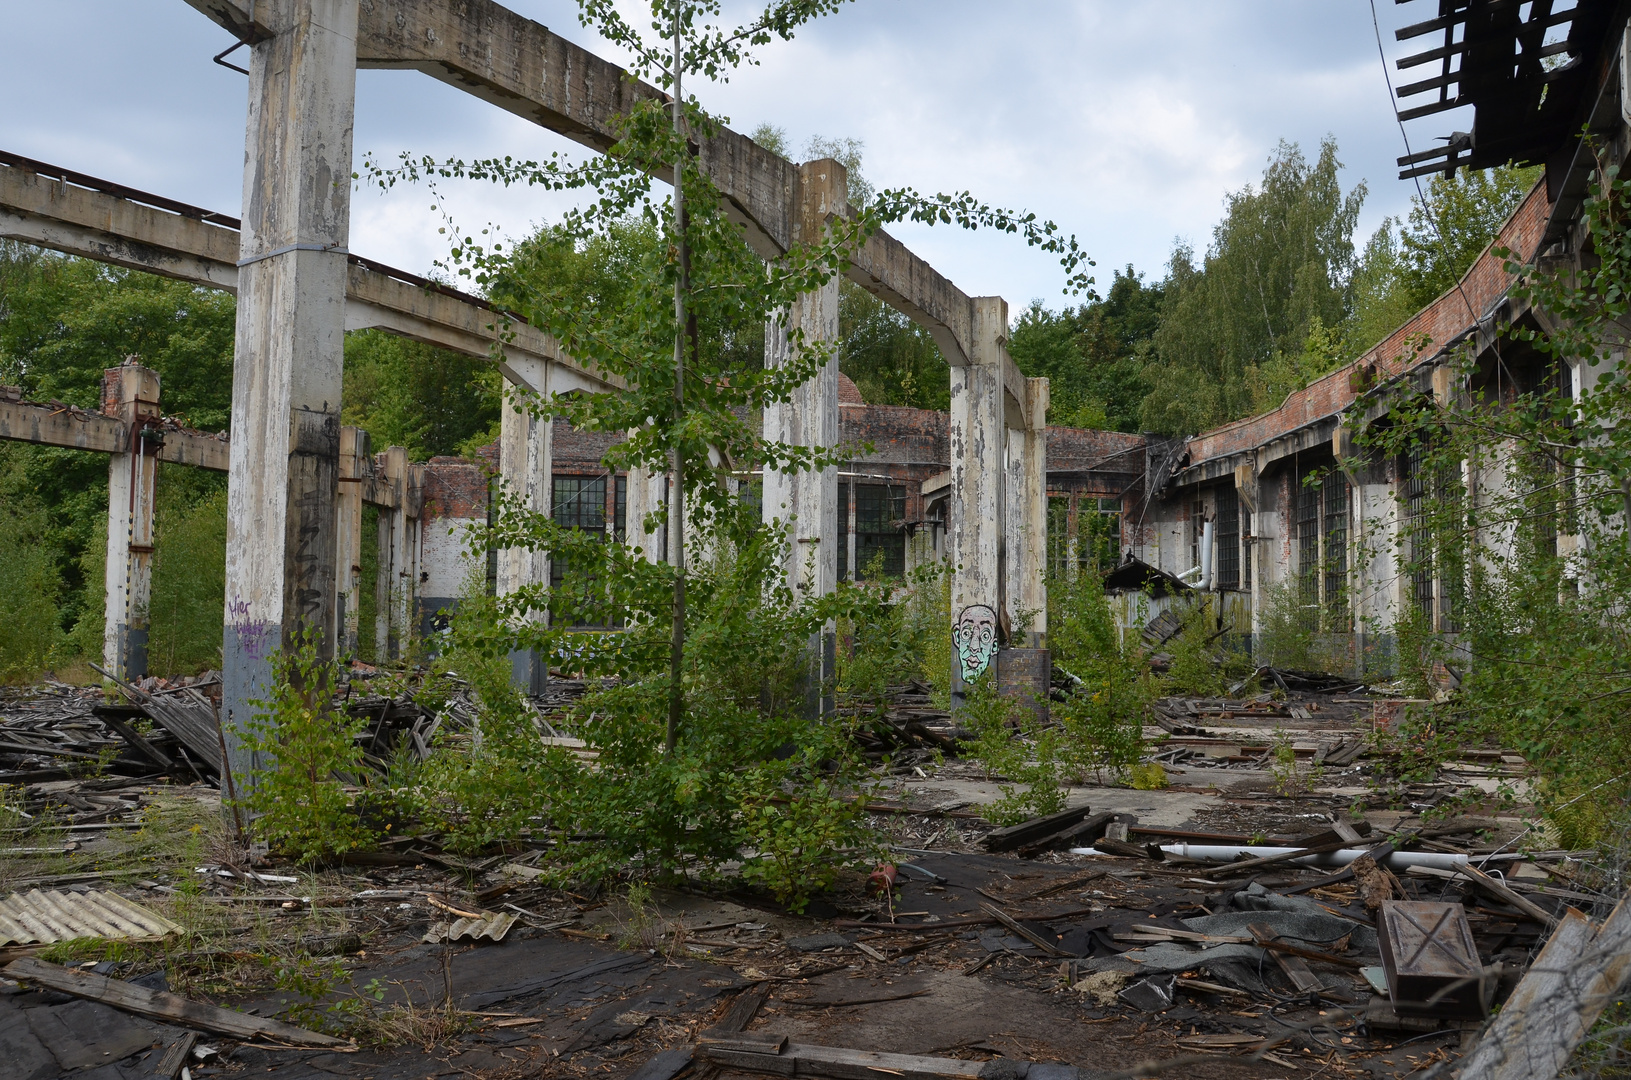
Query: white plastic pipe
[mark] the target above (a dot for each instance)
(1398, 860)
(1206, 557)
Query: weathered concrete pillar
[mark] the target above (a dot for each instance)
(355, 458)
(285, 454)
(395, 557)
(1033, 552)
(1015, 616)
(806, 503)
(648, 493)
(131, 393)
(453, 506)
(974, 524)
(384, 577)
(526, 470)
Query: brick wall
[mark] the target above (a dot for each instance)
(1442, 321)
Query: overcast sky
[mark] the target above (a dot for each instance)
(1126, 121)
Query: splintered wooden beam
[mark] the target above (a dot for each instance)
(797, 1059)
(161, 1005)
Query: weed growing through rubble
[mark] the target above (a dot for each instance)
(1013, 746)
(796, 817)
(299, 799)
(1291, 777)
(1111, 690)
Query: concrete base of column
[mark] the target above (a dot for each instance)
(528, 672)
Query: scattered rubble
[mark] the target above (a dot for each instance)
(1224, 918)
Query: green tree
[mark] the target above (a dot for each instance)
(892, 360)
(429, 400)
(1095, 356)
(64, 320)
(710, 653)
(1458, 219)
(1406, 266)
(1280, 264)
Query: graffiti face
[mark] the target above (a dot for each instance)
(974, 635)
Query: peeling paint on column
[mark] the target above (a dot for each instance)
(978, 475)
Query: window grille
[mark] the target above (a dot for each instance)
(1418, 522)
(579, 502)
(1308, 538)
(878, 507)
(1228, 539)
(1336, 549)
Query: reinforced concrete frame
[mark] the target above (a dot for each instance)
(299, 289)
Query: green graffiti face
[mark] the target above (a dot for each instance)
(974, 635)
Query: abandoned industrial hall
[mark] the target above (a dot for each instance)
(1268, 876)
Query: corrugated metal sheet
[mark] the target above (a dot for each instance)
(41, 918)
(490, 926)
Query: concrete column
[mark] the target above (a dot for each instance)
(1013, 534)
(978, 498)
(131, 393)
(411, 576)
(648, 493)
(526, 469)
(280, 565)
(384, 579)
(806, 503)
(1033, 552)
(395, 551)
(355, 457)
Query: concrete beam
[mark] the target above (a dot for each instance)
(518, 65)
(131, 392)
(287, 360)
(119, 230)
(75, 429)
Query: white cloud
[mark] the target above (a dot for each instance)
(1125, 123)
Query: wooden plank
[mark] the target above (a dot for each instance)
(1558, 1000)
(161, 1005)
(1079, 834)
(742, 1010)
(799, 1059)
(1026, 832)
(663, 1065)
(170, 1065)
(1297, 971)
(1506, 895)
(1023, 931)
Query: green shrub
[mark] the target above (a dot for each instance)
(1010, 743)
(307, 749)
(1103, 717)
